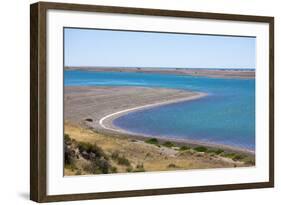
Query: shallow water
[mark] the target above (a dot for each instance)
(225, 116)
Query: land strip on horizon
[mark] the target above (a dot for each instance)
(213, 73)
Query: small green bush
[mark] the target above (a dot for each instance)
(183, 148)
(91, 148)
(234, 156)
(200, 149)
(229, 155)
(219, 151)
(238, 157)
(66, 138)
(87, 167)
(249, 161)
(69, 155)
(85, 146)
(114, 169)
(129, 169)
(78, 172)
(152, 141)
(123, 161)
(115, 155)
(98, 166)
(172, 165)
(216, 151)
(72, 167)
(103, 165)
(168, 144)
(139, 168)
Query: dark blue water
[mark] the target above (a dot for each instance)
(225, 116)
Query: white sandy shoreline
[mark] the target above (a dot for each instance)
(106, 121)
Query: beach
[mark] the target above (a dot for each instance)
(90, 110)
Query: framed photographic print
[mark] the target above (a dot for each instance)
(134, 102)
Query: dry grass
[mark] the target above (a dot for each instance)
(143, 156)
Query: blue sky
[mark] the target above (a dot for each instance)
(90, 47)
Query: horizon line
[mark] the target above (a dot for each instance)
(155, 67)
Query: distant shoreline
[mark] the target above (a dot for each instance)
(204, 72)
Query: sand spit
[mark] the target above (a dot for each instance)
(98, 106)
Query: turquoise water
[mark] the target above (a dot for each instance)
(225, 116)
